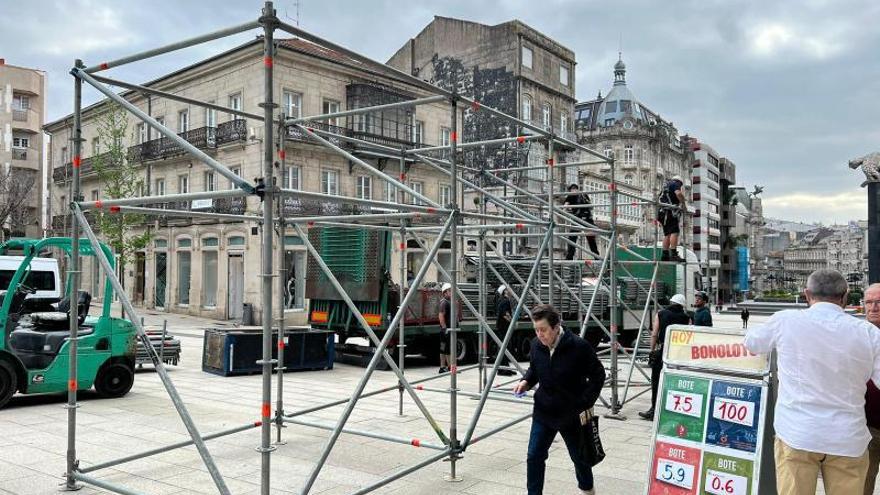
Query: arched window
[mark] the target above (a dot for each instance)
(546, 115)
(628, 179)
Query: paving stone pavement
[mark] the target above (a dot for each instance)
(33, 433)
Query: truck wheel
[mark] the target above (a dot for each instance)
(7, 382)
(114, 380)
(464, 348)
(523, 348)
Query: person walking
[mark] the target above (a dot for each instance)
(672, 205)
(503, 312)
(824, 358)
(744, 314)
(446, 323)
(872, 397)
(702, 315)
(581, 209)
(570, 376)
(674, 314)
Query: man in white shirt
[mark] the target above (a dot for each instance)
(824, 359)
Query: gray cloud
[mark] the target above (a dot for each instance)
(787, 90)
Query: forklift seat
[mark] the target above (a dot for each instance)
(52, 320)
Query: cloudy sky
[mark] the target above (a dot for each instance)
(788, 90)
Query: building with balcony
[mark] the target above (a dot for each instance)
(208, 267)
(647, 149)
(22, 110)
(805, 256)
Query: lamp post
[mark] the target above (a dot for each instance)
(870, 166)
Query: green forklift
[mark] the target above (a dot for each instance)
(34, 331)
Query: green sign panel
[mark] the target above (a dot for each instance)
(726, 475)
(684, 399)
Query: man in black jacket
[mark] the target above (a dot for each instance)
(674, 314)
(582, 208)
(570, 377)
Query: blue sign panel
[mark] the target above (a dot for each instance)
(742, 268)
(734, 409)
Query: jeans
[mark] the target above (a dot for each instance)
(655, 382)
(540, 440)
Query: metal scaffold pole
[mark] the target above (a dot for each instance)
(74, 282)
(454, 323)
(401, 341)
(614, 295)
(269, 22)
(282, 284)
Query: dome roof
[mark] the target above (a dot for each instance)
(620, 102)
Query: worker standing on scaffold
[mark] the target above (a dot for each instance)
(672, 205)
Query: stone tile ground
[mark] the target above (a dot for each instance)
(33, 436)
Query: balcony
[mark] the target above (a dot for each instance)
(19, 153)
(63, 173)
(19, 115)
(295, 134)
(162, 148)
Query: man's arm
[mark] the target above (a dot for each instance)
(443, 324)
(655, 330)
(761, 339)
(681, 200)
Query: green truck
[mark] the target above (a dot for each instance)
(361, 261)
(34, 348)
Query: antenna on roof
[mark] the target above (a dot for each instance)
(620, 46)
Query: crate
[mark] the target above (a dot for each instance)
(235, 351)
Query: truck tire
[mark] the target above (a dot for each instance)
(464, 349)
(114, 380)
(8, 382)
(523, 348)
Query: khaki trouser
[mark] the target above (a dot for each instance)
(797, 471)
(873, 460)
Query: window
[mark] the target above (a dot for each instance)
(563, 123)
(209, 278)
(236, 171)
(210, 117)
(563, 75)
(628, 179)
(331, 106)
(608, 151)
(628, 154)
(95, 194)
(714, 191)
(142, 133)
(546, 114)
(713, 208)
(445, 194)
(330, 182)
(183, 121)
(295, 279)
(364, 187)
(625, 106)
(390, 193)
(96, 144)
(292, 177)
(210, 181)
(64, 156)
(418, 187)
(418, 132)
(293, 104)
(235, 104)
(445, 136)
(160, 121)
(713, 176)
(184, 262)
(527, 57)
(611, 106)
(609, 122)
(21, 142)
(236, 241)
(160, 187)
(527, 108)
(21, 102)
(183, 184)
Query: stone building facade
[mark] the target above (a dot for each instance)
(806, 256)
(210, 268)
(22, 110)
(647, 149)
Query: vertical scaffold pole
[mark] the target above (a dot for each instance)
(282, 282)
(401, 343)
(269, 22)
(613, 296)
(74, 279)
(551, 217)
(483, 299)
(455, 448)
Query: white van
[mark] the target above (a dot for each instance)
(44, 276)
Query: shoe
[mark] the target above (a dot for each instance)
(676, 258)
(443, 369)
(591, 491)
(648, 415)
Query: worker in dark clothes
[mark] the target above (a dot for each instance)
(674, 314)
(504, 312)
(580, 208)
(570, 376)
(702, 315)
(744, 314)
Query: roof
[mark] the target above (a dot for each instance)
(594, 113)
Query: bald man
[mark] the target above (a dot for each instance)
(872, 397)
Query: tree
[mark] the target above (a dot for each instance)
(16, 186)
(118, 178)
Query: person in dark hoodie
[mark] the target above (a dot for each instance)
(674, 314)
(570, 376)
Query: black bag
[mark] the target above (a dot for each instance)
(591, 449)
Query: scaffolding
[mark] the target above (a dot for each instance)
(525, 214)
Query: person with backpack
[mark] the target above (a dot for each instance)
(674, 314)
(672, 205)
(581, 208)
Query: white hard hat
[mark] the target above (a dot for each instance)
(678, 299)
(502, 288)
(447, 286)
(677, 177)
